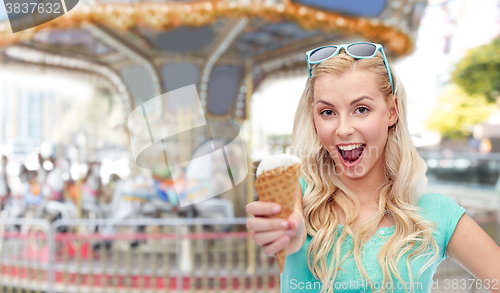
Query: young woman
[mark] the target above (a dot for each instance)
(362, 222)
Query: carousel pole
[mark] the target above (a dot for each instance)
(186, 262)
(182, 118)
(189, 139)
(129, 104)
(81, 141)
(250, 177)
(79, 189)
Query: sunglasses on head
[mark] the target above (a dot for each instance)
(360, 50)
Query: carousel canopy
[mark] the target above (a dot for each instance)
(225, 47)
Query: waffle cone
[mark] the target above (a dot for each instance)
(279, 186)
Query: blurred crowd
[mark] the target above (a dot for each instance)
(49, 191)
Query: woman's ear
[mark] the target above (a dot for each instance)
(393, 111)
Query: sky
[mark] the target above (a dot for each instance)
(274, 105)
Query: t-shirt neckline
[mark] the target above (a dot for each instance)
(381, 232)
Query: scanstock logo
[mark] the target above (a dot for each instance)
(25, 14)
(205, 159)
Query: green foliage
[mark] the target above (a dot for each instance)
(479, 71)
(457, 112)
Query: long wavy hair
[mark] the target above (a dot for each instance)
(400, 192)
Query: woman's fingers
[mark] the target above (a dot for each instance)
(276, 246)
(265, 238)
(263, 208)
(265, 224)
(272, 233)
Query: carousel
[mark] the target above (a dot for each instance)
(139, 50)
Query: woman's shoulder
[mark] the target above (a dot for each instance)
(445, 212)
(435, 201)
(440, 207)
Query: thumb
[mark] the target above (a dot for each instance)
(294, 219)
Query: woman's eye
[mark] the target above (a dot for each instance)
(327, 113)
(365, 110)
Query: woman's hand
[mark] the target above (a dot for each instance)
(274, 234)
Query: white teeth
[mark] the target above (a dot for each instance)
(349, 147)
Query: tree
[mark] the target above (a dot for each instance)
(479, 71)
(457, 112)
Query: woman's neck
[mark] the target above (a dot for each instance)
(367, 189)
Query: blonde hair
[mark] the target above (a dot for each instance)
(399, 194)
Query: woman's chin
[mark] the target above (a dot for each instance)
(353, 173)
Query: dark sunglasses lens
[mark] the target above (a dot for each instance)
(362, 50)
(322, 54)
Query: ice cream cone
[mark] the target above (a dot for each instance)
(279, 185)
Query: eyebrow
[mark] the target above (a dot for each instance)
(352, 103)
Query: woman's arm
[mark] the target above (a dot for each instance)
(475, 251)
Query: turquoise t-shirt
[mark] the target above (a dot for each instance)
(296, 276)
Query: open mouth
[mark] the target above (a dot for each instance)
(352, 156)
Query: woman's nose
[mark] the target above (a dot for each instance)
(344, 128)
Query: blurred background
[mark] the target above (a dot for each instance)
(77, 213)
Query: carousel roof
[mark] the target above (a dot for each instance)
(224, 47)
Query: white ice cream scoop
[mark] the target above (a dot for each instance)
(275, 161)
